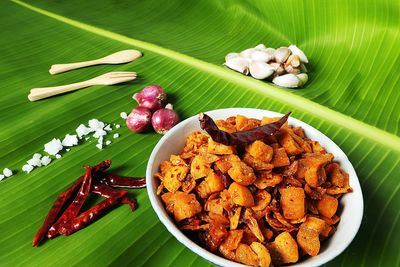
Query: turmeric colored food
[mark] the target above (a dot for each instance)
(268, 202)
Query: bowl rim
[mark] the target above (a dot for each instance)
(182, 238)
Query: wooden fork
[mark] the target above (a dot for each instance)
(109, 78)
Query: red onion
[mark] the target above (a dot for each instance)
(152, 97)
(164, 119)
(139, 119)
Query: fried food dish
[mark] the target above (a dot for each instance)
(268, 202)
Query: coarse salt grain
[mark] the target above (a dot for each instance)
(99, 133)
(108, 142)
(123, 115)
(45, 160)
(116, 135)
(7, 172)
(70, 140)
(67, 149)
(2, 177)
(108, 128)
(58, 156)
(117, 126)
(99, 146)
(27, 168)
(35, 162)
(95, 124)
(82, 130)
(53, 147)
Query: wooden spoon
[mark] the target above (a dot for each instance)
(120, 57)
(105, 79)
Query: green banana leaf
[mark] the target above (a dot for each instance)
(352, 96)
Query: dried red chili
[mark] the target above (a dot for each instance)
(60, 202)
(123, 181)
(242, 137)
(109, 192)
(91, 214)
(75, 206)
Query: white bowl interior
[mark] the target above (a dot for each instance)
(173, 143)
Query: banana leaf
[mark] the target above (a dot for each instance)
(352, 96)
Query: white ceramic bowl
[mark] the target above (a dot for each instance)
(173, 143)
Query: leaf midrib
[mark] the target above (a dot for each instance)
(371, 132)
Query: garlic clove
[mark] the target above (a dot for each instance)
(260, 70)
(281, 54)
(260, 56)
(291, 69)
(287, 80)
(303, 78)
(279, 70)
(293, 60)
(239, 64)
(231, 56)
(247, 52)
(296, 51)
(260, 46)
(270, 51)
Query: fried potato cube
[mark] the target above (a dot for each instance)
(169, 200)
(308, 240)
(165, 166)
(241, 173)
(264, 259)
(267, 179)
(280, 157)
(327, 206)
(219, 149)
(315, 223)
(262, 199)
(299, 131)
(211, 184)
(335, 175)
(230, 244)
(225, 162)
(214, 206)
(243, 123)
(289, 144)
(260, 150)
(316, 147)
(292, 202)
(174, 176)
(267, 120)
(301, 169)
(225, 126)
(199, 167)
(256, 163)
(244, 254)
(241, 195)
(185, 205)
(286, 247)
(314, 173)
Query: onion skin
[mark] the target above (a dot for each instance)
(139, 119)
(164, 119)
(152, 97)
